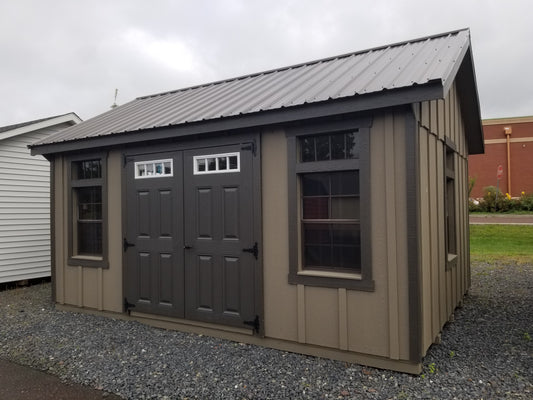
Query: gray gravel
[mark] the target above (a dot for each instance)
(486, 353)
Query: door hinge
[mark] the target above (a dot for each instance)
(250, 146)
(126, 245)
(254, 324)
(128, 306)
(254, 250)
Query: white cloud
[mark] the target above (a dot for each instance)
(61, 55)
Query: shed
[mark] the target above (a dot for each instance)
(319, 208)
(25, 199)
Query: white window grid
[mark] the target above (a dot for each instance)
(223, 163)
(154, 169)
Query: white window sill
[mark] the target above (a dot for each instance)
(92, 258)
(330, 274)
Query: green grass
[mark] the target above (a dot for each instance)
(493, 242)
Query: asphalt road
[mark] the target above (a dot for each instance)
(24, 383)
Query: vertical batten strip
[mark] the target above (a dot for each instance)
(100, 289)
(301, 314)
(65, 239)
(392, 262)
(343, 319)
(80, 286)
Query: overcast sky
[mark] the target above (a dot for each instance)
(59, 56)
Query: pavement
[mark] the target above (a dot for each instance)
(508, 219)
(24, 383)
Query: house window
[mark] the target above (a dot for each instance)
(87, 212)
(327, 182)
(450, 207)
(153, 169)
(217, 163)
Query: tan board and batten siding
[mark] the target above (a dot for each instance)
(360, 324)
(24, 208)
(442, 288)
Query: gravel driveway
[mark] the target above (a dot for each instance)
(486, 353)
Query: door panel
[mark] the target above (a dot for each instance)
(220, 277)
(154, 226)
(188, 232)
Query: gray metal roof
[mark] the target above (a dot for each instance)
(20, 125)
(410, 64)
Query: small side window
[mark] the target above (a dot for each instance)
(87, 212)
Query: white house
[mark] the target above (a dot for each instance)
(25, 199)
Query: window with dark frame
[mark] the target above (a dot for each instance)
(329, 211)
(450, 212)
(329, 216)
(87, 212)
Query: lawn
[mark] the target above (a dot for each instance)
(491, 242)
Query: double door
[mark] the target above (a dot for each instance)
(189, 246)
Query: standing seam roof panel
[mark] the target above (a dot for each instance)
(390, 67)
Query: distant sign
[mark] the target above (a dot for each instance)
(499, 172)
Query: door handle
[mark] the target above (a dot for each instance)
(187, 247)
(254, 250)
(126, 245)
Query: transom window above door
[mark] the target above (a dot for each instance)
(217, 163)
(153, 169)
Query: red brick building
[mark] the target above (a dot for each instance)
(509, 143)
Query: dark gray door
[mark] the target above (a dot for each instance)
(220, 263)
(153, 244)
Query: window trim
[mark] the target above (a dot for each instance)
(323, 278)
(137, 164)
(77, 259)
(450, 174)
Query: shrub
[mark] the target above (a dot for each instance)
(526, 202)
(494, 200)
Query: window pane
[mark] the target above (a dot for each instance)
(308, 149)
(316, 208)
(168, 168)
(89, 238)
(322, 148)
(346, 257)
(149, 169)
(233, 162)
(211, 164)
(345, 207)
(201, 164)
(332, 246)
(347, 234)
(89, 220)
(222, 163)
(315, 184)
(317, 234)
(317, 256)
(352, 144)
(87, 169)
(346, 182)
(338, 147)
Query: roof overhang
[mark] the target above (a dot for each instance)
(470, 109)
(71, 118)
(358, 103)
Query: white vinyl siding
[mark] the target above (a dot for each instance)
(24, 208)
